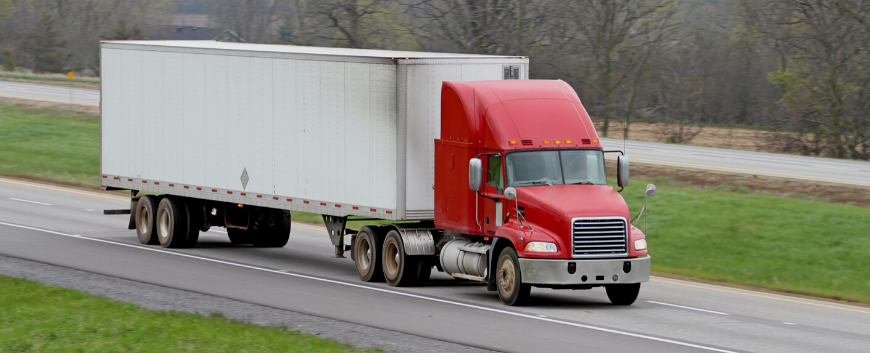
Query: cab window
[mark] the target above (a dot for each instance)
(494, 176)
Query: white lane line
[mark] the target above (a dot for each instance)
(688, 307)
(383, 290)
(89, 210)
(789, 323)
(28, 201)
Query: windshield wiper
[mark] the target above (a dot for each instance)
(583, 183)
(540, 182)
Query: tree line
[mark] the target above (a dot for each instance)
(799, 67)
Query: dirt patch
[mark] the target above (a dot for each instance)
(708, 136)
(86, 85)
(75, 108)
(749, 184)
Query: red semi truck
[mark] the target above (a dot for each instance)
(497, 179)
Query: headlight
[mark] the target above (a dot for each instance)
(640, 244)
(539, 246)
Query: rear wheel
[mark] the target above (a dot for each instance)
(367, 255)
(193, 211)
(400, 269)
(622, 294)
(273, 230)
(509, 279)
(171, 224)
(238, 236)
(146, 214)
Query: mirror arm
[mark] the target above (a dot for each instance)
(615, 151)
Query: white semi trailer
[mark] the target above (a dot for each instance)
(233, 135)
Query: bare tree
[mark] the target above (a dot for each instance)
(254, 20)
(614, 41)
(827, 58)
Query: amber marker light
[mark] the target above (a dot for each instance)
(513, 142)
(569, 142)
(546, 142)
(240, 205)
(558, 142)
(595, 140)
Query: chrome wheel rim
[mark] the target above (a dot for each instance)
(142, 219)
(366, 259)
(391, 259)
(163, 220)
(507, 276)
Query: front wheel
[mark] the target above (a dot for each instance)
(509, 279)
(622, 294)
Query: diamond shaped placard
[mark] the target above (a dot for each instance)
(245, 178)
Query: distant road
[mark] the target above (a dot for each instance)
(745, 162)
(46, 93)
(733, 161)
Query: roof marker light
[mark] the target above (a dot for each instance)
(513, 142)
(546, 142)
(569, 142)
(595, 140)
(558, 142)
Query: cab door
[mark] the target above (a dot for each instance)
(493, 211)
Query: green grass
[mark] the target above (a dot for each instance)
(50, 145)
(39, 318)
(737, 236)
(787, 244)
(45, 78)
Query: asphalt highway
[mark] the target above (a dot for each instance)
(830, 170)
(66, 227)
(46, 93)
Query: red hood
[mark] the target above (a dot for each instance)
(569, 201)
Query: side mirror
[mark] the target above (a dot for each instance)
(622, 171)
(510, 193)
(650, 190)
(475, 174)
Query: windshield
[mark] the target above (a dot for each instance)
(555, 168)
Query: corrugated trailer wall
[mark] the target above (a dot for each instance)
(423, 119)
(318, 130)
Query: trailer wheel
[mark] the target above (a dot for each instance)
(171, 224)
(622, 294)
(399, 268)
(509, 279)
(146, 215)
(273, 235)
(238, 236)
(194, 223)
(367, 249)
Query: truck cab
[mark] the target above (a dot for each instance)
(520, 172)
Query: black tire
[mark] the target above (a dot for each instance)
(622, 294)
(400, 269)
(239, 236)
(171, 224)
(424, 272)
(273, 231)
(193, 214)
(509, 279)
(146, 216)
(367, 251)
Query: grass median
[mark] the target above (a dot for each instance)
(39, 318)
(783, 243)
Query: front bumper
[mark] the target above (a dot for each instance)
(596, 272)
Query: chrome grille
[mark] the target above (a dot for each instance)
(600, 237)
